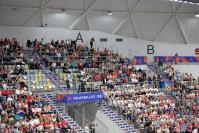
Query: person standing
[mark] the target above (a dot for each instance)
(87, 128)
(92, 42)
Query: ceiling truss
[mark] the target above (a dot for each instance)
(129, 15)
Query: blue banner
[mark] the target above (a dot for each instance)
(181, 59)
(140, 60)
(81, 97)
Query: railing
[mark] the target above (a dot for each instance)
(103, 128)
(77, 116)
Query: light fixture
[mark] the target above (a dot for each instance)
(197, 15)
(110, 13)
(193, 2)
(64, 11)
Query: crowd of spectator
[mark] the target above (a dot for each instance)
(92, 65)
(131, 92)
(21, 110)
(11, 51)
(126, 90)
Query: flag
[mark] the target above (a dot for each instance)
(20, 112)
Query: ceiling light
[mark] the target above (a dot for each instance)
(110, 13)
(197, 15)
(191, 3)
(173, 0)
(64, 11)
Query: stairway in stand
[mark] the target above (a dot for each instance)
(51, 97)
(59, 85)
(156, 69)
(118, 120)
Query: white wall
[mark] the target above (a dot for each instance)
(193, 69)
(102, 122)
(129, 47)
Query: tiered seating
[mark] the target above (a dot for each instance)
(52, 82)
(146, 107)
(37, 81)
(118, 120)
(75, 83)
(87, 69)
(22, 110)
(157, 70)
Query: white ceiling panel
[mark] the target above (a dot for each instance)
(133, 3)
(115, 5)
(190, 26)
(15, 17)
(155, 6)
(150, 17)
(29, 3)
(66, 4)
(59, 19)
(103, 22)
(127, 29)
(35, 21)
(176, 4)
(189, 8)
(171, 33)
(83, 25)
(149, 25)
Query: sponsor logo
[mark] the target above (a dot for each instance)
(197, 51)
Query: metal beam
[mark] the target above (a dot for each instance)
(164, 27)
(126, 18)
(85, 5)
(86, 17)
(87, 21)
(38, 11)
(28, 21)
(95, 11)
(42, 13)
(83, 15)
(129, 5)
(152, 12)
(18, 6)
(120, 24)
(134, 27)
(181, 31)
(178, 23)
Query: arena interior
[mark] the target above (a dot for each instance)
(99, 66)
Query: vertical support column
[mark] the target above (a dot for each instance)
(83, 115)
(65, 108)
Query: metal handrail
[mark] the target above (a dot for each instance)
(79, 118)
